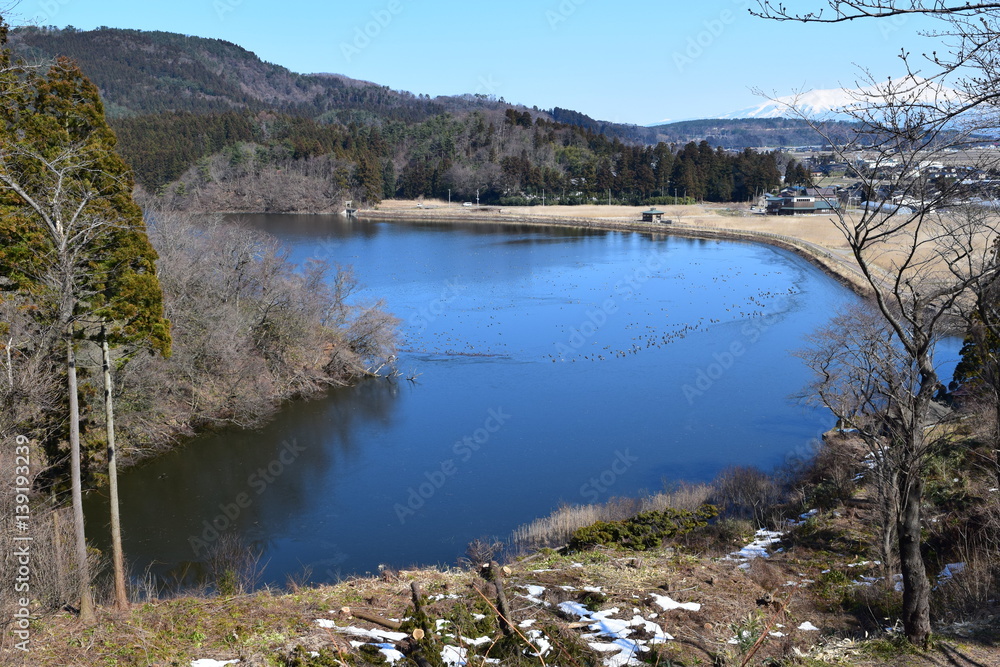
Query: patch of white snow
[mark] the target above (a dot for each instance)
(666, 603)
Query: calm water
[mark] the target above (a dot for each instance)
(554, 366)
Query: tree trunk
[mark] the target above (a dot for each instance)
(996, 435)
(10, 365)
(64, 594)
(118, 559)
(916, 588)
(887, 484)
(83, 571)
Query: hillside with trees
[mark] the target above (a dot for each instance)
(206, 125)
(754, 132)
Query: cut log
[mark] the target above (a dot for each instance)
(371, 618)
(494, 574)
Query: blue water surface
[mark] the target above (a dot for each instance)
(550, 365)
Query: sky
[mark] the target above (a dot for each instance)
(627, 61)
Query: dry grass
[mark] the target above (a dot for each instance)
(437, 207)
(557, 528)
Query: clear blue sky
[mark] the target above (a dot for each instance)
(630, 61)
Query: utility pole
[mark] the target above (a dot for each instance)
(477, 197)
(543, 197)
(609, 196)
(449, 197)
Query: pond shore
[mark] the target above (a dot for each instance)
(813, 237)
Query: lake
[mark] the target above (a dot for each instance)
(548, 365)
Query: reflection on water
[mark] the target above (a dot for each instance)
(543, 358)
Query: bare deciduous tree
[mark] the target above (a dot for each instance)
(925, 246)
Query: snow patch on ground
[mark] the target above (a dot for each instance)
(453, 655)
(666, 603)
(808, 627)
(208, 662)
(803, 518)
(950, 570)
(603, 625)
(362, 632)
(535, 595)
(541, 642)
(763, 540)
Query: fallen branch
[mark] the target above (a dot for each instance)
(527, 641)
(418, 606)
(371, 618)
(767, 628)
(494, 574)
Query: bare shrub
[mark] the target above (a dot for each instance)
(233, 566)
(971, 537)
(250, 329)
(52, 577)
(766, 575)
(31, 393)
(746, 492)
(721, 537)
(833, 471)
(967, 593)
(482, 551)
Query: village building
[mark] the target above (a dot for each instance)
(802, 201)
(653, 215)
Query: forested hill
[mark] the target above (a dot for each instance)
(741, 132)
(207, 125)
(142, 72)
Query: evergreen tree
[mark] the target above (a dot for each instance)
(71, 237)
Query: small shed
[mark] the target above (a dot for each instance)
(653, 215)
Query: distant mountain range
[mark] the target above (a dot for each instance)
(825, 105)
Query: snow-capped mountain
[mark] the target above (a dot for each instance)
(826, 104)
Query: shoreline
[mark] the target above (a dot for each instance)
(839, 269)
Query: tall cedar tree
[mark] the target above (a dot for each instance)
(72, 239)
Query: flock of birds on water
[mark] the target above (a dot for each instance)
(647, 337)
